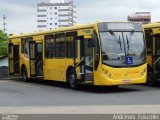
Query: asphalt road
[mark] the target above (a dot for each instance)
(42, 93)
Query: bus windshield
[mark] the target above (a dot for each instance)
(118, 46)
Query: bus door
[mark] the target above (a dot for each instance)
(14, 63)
(157, 56)
(36, 64)
(85, 62)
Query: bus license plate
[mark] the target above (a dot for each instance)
(126, 81)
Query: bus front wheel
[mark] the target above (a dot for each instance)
(72, 80)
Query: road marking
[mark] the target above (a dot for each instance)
(105, 109)
(22, 84)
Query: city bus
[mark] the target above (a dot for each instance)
(101, 54)
(152, 34)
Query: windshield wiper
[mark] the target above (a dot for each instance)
(120, 42)
(129, 39)
(117, 40)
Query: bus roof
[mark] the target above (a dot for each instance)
(60, 29)
(52, 31)
(152, 25)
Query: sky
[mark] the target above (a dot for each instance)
(21, 14)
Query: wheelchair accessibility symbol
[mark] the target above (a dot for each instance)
(129, 60)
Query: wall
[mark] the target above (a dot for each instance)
(4, 68)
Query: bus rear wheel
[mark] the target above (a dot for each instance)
(24, 75)
(72, 80)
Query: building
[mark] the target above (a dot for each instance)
(55, 14)
(144, 17)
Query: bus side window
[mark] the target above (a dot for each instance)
(149, 41)
(26, 46)
(97, 50)
(60, 45)
(22, 45)
(49, 46)
(69, 47)
(70, 44)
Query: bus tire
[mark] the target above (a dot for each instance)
(151, 80)
(72, 80)
(24, 75)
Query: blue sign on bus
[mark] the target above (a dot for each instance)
(129, 60)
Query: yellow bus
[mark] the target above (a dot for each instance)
(152, 34)
(102, 54)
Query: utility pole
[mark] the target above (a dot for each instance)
(4, 23)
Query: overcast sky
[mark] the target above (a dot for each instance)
(21, 14)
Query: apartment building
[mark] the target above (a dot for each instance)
(143, 17)
(55, 14)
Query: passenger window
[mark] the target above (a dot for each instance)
(149, 40)
(26, 46)
(70, 45)
(49, 46)
(97, 50)
(60, 45)
(22, 45)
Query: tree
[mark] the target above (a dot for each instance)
(3, 44)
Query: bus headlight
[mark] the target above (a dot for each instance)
(106, 72)
(109, 75)
(141, 74)
(145, 70)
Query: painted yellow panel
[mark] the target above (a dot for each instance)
(119, 76)
(149, 60)
(85, 32)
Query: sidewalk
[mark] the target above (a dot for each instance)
(106, 109)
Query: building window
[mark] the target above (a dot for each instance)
(55, 23)
(50, 23)
(51, 8)
(51, 18)
(55, 8)
(55, 13)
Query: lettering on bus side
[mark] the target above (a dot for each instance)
(85, 32)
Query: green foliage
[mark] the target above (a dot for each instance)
(3, 43)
